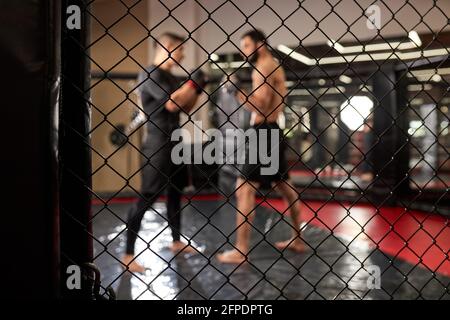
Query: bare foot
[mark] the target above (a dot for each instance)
(231, 256)
(178, 246)
(366, 177)
(132, 265)
(296, 245)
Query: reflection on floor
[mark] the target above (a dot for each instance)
(440, 182)
(334, 267)
(335, 180)
(354, 181)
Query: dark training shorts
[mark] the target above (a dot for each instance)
(252, 171)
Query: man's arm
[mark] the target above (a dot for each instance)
(182, 99)
(185, 97)
(259, 99)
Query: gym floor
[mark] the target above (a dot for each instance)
(344, 242)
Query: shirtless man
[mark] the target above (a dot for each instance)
(265, 102)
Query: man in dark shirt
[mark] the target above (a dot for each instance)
(162, 99)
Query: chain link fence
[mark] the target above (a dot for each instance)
(364, 130)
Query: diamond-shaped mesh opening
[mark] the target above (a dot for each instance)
(359, 95)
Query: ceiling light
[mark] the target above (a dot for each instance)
(295, 55)
(436, 78)
(214, 57)
(388, 45)
(345, 79)
(419, 87)
(336, 45)
(396, 55)
(355, 111)
(414, 37)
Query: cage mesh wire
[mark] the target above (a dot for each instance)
(424, 133)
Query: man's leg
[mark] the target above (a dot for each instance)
(174, 220)
(135, 216)
(289, 194)
(245, 197)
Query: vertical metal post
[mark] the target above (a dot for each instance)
(390, 120)
(75, 153)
